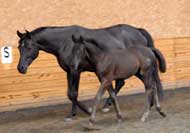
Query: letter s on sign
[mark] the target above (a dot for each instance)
(6, 55)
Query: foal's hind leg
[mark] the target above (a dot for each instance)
(118, 85)
(138, 75)
(147, 105)
(148, 91)
(158, 107)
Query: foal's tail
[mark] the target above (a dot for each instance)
(155, 76)
(162, 65)
(161, 60)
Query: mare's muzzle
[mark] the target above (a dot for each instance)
(22, 69)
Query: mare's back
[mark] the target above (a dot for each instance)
(117, 36)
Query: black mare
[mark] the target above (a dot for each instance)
(58, 41)
(120, 64)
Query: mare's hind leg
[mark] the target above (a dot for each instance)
(158, 107)
(118, 85)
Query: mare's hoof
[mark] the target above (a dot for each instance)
(105, 109)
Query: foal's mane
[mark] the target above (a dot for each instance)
(96, 44)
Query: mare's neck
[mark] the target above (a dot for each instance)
(48, 45)
(49, 48)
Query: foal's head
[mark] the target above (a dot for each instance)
(79, 52)
(28, 51)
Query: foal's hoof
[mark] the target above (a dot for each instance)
(105, 110)
(143, 119)
(162, 114)
(90, 110)
(68, 119)
(119, 120)
(90, 127)
(145, 116)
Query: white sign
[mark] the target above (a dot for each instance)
(6, 54)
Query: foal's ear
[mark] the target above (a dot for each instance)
(77, 38)
(20, 34)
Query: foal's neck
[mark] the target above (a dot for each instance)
(95, 54)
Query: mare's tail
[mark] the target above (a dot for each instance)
(150, 42)
(161, 60)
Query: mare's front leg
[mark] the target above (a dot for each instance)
(118, 85)
(72, 95)
(73, 79)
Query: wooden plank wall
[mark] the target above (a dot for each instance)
(45, 83)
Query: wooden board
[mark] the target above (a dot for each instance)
(46, 84)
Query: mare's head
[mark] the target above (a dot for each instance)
(79, 53)
(28, 49)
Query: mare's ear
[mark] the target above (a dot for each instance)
(28, 34)
(20, 34)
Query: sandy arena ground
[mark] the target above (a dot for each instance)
(51, 119)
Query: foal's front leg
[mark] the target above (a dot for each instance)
(115, 102)
(99, 94)
(118, 85)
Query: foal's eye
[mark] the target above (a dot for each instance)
(29, 48)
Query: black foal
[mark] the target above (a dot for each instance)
(119, 64)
